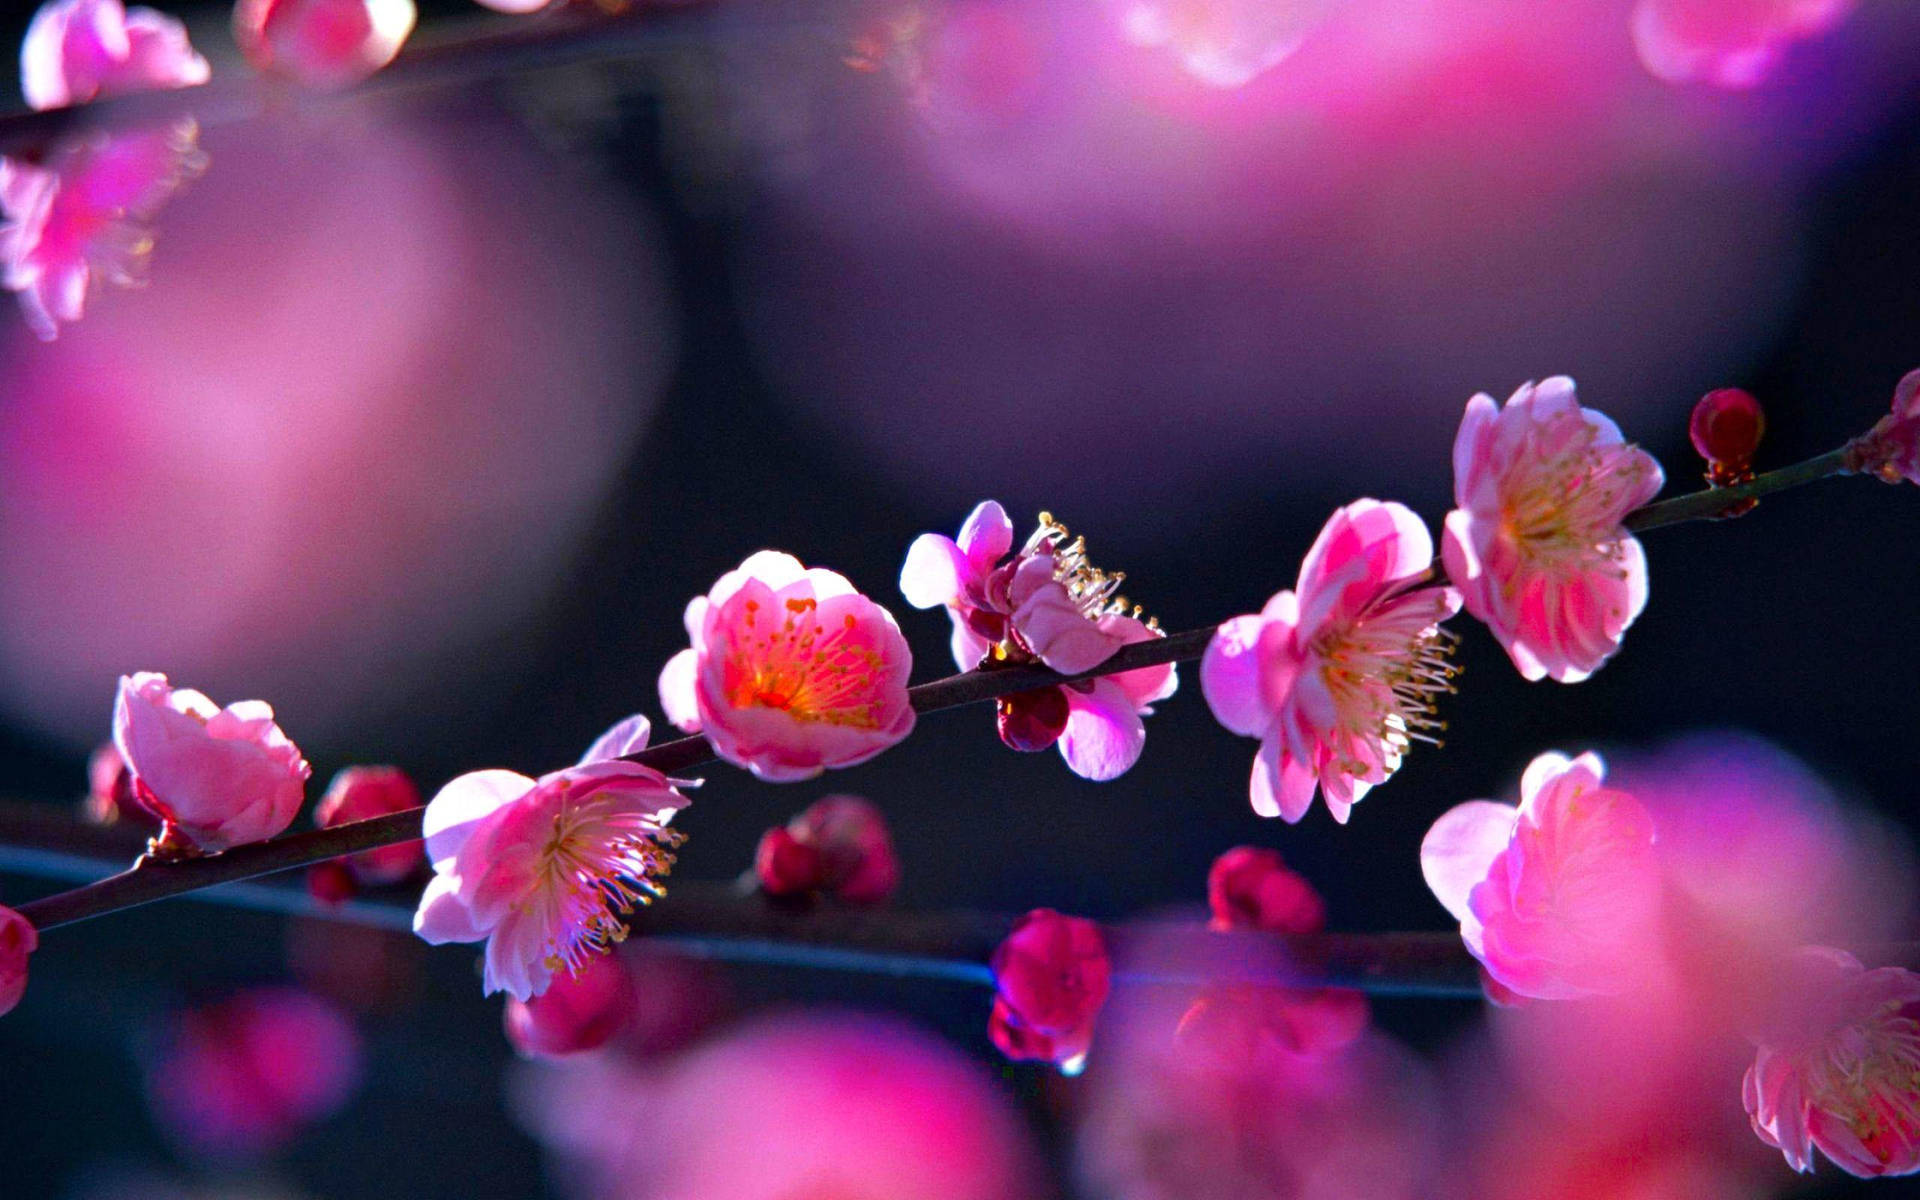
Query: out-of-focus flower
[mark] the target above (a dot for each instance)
(358, 793)
(579, 1012)
(110, 789)
(1225, 43)
(1839, 1067)
(361, 968)
(217, 776)
(785, 1108)
(1337, 677)
(1559, 897)
(791, 671)
(76, 50)
(839, 845)
(1251, 888)
(1050, 979)
(544, 869)
(1161, 1122)
(516, 6)
(82, 219)
(18, 940)
(1535, 545)
(1046, 603)
(243, 1076)
(1728, 43)
(322, 43)
(1891, 449)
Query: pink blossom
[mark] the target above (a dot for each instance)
(1727, 43)
(1337, 677)
(1559, 897)
(517, 6)
(1044, 604)
(544, 869)
(358, 793)
(77, 50)
(1840, 1068)
(1050, 979)
(839, 845)
(245, 1075)
(218, 776)
(579, 1012)
(791, 671)
(83, 218)
(1891, 449)
(18, 940)
(1536, 546)
(322, 43)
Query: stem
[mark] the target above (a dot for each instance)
(147, 880)
(730, 923)
(1715, 502)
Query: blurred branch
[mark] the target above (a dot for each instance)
(149, 880)
(462, 52)
(732, 923)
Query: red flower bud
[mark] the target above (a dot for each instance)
(1726, 427)
(332, 882)
(18, 939)
(358, 793)
(1033, 720)
(1250, 887)
(787, 865)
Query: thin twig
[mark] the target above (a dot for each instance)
(149, 880)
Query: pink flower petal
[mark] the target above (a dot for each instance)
(1460, 847)
(1104, 734)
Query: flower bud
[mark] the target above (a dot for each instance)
(1034, 720)
(358, 793)
(110, 790)
(578, 1012)
(321, 43)
(332, 882)
(1727, 426)
(1250, 887)
(787, 865)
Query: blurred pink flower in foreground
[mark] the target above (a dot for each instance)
(791, 671)
(786, 1108)
(1044, 603)
(1891, 449)
(1222, 42)
(1729, 43)
(110, 789)
(1164, 1122)
(218, 776)
(243, 1076)
(517, 6)
(1536, 546)
(359, 793)
(82, 219)
(1050, 979)
(1251, 888)
(321, 43)
(580, 1011)
(1839, 1067)
(1559, 897)
(1337, 677)
(18, 940)
(838, 845)
(76, 50)
(544, 869)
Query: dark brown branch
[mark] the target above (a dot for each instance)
(148, 881)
